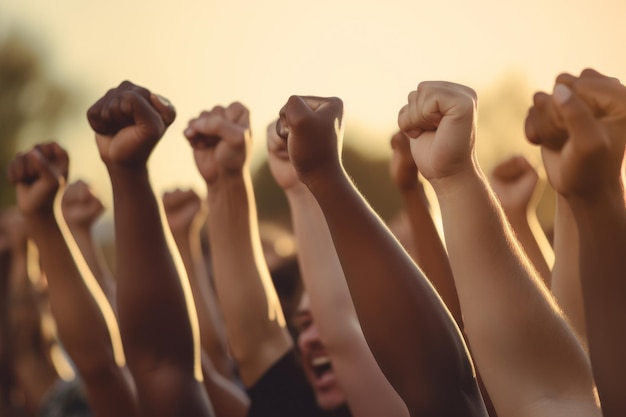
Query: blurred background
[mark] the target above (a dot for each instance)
(57, 58)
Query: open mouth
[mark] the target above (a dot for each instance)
(321, 365)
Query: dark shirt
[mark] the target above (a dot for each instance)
(283, 391)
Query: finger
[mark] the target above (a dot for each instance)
(144, 116)
(297, 112)
(604, 95)
(282, 128)
(208, 131)
(164, 107)
(238, 114)
(275, 144)
(586, 133)
(405, 124)
(543, 124)
(94, 113)
(510, 169)
(400, 143)
(56, 158)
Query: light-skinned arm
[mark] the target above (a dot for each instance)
(528, 357)
(408, 328)
(518, 188)
(367, 391)
(581, 128)
(254, 321)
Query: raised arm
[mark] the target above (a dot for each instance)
(185, 216)
(157, 318)
(411, 333)
(516, 184)
(582, 132)
(254, 321)
(85, 321)
(528, 357)
(430, 253)
(367, 391)
(565, 282)
(81, 209)
(27, 373)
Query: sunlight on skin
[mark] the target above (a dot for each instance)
(90, 281)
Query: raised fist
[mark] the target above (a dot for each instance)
(81, 208)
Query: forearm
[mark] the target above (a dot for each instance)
(334, 313)
(602, 230)
(503, 300)
(148, 280)
(427, 363)
(251, 309)
(566, 285)
(96, 262)
(533, 241)
(431, 255)
(85, 320)
(212, 333)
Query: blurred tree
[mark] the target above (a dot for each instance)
(31, 101)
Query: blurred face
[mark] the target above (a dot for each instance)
(315, 361)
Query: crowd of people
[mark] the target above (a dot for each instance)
(199, 318)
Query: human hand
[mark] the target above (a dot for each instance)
(312, 127)
(38, 175)
(591, 109)
(402, 167)
(220, 139)
(81, 208)
(278, 160)
(182, 208)
(129, 120)
(515, 182)
(441, 118)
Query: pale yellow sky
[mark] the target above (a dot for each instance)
(371, 54)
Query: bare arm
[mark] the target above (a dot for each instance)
(400, 313)
(81, 208)
(430, 253)
(27, 370)
(186, 217)
(565, 283)
(528, 357)
(85, 321)
(254, 320)
(157, 318)
(583, 150)
(516, 184)
(367, 391)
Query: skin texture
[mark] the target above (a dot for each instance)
(84, 319)
(581, 129)
(408, 328)
(565, 282)
(516, 184)
(81, 209)
(327, 322)
(529, 359)
(185, 216)
(27, 372)
(254, 321)
(161, 343)
(430, 253)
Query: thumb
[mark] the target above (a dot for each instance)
(584, 131)
(164, 107)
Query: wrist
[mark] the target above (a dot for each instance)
(459, 182)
